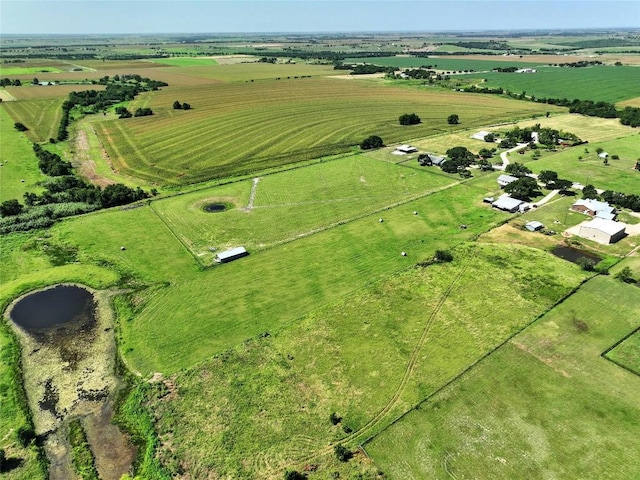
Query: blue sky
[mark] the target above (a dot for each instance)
(188, 16)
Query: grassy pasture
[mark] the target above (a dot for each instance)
(42, 116)
(26, 70)
(239, 128)
(310, 271)
(442, 63)
(591, 129)
(185, 61)
(37, 92)
(545, 405)
(18, 162)
(268, 400)
(292, 203)
(598, 83)
(618, 175)
(253, 71)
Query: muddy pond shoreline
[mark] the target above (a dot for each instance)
(68, 363)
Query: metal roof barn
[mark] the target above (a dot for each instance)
(230, 255)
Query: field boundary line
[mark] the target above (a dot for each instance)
(380, 416)
(184, 245)
(479, 360)
(619, 342)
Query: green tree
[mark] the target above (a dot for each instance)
(342, 453)
(589, 191)
(562, 184)
(409, 119)
(21, 127)
(371, 142)
(443, 256)
(294, 475)
(490, 138)
(517, 169)
(186, 106)
(453, 119)
(485, 153)
(523, 189)
(177, 105)
(625, 275)
(547, 176)
(10, 208)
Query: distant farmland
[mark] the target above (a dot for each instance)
(236, 128)
(599, 83)
(442, 63)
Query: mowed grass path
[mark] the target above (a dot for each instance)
(18, 162)
(546, 405)
(369, 356)
(237, 128)
(294, 203)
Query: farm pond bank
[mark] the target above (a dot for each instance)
(68, 362)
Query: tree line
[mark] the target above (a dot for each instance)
(120, 88)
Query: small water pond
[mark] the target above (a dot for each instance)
(64, 304)
(68, 364)
(216, 207)
(574, 255)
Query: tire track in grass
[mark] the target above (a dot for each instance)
(365, 430)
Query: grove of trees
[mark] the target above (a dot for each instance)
(371, 142)
(409, 119)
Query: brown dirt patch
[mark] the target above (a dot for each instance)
(84, 163)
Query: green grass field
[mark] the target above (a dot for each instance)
(544, 406)
(293, 203)
(42, 117)
(238, 128)
(268, 401)
(441, 63)
(185, 61)
(617, 175)
(599, 83)
(18, 162)
(27, 70)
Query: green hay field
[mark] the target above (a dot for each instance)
(239, 128)
(546, 405)
(18, 162)
(618, 175)
(268, 400)
(27, 70)
(185, 61)
(600, 83)
(42, 117)
(441, 63)
(291, 204)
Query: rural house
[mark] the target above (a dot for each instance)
(594, 208)
(232, 254)
(602, 231)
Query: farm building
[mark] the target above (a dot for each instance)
(594, 208)
(404, 149)
(534, 226)
(230, 255)
(526, 70)
(507, 204)
(603, 155)
(602, 231)
(431, 159)
(480, 135)
(504, 180)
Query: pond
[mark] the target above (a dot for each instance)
(68, 362)
(64, 304)
(574, 255)
(216, 207)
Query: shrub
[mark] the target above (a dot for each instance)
(443, 256)
(409, 119)
(342, 453)
(371, 142)
(453, 119)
